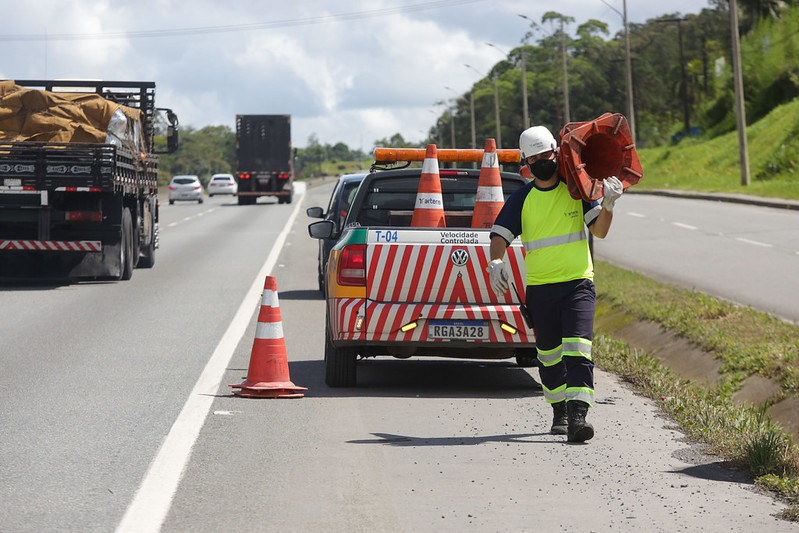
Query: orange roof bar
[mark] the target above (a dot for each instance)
(445, 155)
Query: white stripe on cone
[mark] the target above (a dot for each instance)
(489, 194)
(430, 166)
(490, 160)
(269, 298)
(269, 330)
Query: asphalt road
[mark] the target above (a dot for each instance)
(118, 415)
(747, 254)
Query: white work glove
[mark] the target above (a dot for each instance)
(498, 277)
(613, 189)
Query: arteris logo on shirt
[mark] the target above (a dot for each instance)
(574, 213)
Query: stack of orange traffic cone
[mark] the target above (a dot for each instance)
(268, 374)
(489, 199)
(429, 209)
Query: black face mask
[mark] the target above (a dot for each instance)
(544, 169)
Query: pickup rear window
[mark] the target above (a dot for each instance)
(390, 202)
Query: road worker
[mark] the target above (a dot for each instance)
(560, 291)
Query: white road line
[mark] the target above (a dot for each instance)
(639, 215)
(186, 219)
(150, 505)
(756, 243)
(684, 226)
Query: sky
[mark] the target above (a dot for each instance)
(346, 71)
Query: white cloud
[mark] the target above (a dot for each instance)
(344, 73)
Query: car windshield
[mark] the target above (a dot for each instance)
(222, 178)
(184, 181)
(390, 202)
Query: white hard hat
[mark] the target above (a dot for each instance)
(536, 140)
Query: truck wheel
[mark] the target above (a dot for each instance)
(147, 254)
(126, 246)
(340, 368)
(147, 257)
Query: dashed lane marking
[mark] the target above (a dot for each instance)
(684, 226)
(756, 243)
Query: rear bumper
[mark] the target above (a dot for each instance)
(359, 322)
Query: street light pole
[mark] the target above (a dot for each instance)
(523, 67)
(496, 105)
(525, 113)
(471, 106)
(740, 108)
(566, 114)
(452, 118)
(496, 111)
(628, 68)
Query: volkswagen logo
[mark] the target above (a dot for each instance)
(459, 257)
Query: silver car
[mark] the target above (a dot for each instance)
(222, 184)
(185, 187)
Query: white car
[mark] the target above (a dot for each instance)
(222, 184)
(185, 187)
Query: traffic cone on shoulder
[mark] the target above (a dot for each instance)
(268, 374)
(489, 199)
(428, 211)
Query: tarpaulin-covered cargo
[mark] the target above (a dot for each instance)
(45, 116)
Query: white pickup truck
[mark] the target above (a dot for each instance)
(401, 291)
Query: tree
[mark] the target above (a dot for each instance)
(395, 141)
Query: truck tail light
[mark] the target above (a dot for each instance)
(352, 266)
(244, 175)
(283, 175)
(83, 216)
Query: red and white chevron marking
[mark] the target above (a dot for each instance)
(382, 322)
(427, 274)
(345, 313)
(52, 246)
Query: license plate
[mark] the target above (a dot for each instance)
(458, 329)
(12, 182)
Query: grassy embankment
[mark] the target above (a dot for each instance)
(745, 341)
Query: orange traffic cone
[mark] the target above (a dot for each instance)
(489, 199)
(429, 209)
(268, 375)
(524, 171)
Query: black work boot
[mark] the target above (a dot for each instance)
(579, 429)
(560, 421)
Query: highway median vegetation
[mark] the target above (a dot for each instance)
(745, 342)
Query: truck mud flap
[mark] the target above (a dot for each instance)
(72, 266)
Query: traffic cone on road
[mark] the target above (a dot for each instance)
(268, 374)
(428, 211)
(489, 199)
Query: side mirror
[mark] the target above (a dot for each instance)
(315, 212)
(324, 229)
(172, 139)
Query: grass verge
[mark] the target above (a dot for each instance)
(745, 341)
